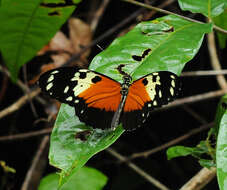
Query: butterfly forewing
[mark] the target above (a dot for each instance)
(94, 96)
(147, 93)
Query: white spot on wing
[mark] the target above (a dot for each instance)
(160, 93)
(172, 76)
(77, 101)
(82, 111)
(155, 103)
(154, 74)
(171, 91)
(149, 105)
(66, 89)
(70, 98)
(150, 87)
(83, 84)
(54, 72)
(84, 70)
(50, 78)
(49, 86)
(143, 115)
(173, 83)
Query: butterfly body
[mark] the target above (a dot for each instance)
(97, 97)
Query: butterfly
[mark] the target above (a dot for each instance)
(97, 98)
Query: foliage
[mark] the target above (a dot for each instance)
(85, 179)
(38, 23)
(173, 42)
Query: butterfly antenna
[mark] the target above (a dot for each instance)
(99, 47)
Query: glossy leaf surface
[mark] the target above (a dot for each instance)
(221, 21)
(170, 50)
(171, 47)
(85, 179)
(28, 26)
(209, 8)
(221, 153)
(70, 151)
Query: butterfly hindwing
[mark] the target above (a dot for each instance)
(147, 93)
(94, 96)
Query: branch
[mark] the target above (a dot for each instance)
(98, 14)
(192, 99)
(24, 88)
(149, 178)
(170, 143)
(30, 181)
(203, 177)
(204, 73)
(214, 60)
(25, 135)
(19, 103)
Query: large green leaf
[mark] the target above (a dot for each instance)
(69, 153)
(209, 8)
(170, 50)
(221, 153)
(26, 26)
(221, 21)
(85, 179)
(221, 109)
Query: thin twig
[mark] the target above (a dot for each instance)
(203, 177)
(171, 13)
(104, 35)
(214, 60)
(163, 5)
(192, 99)
(142, 173)
(27, 92)
(204, 73)
(98, 14)
(26, 135)
(19, 103)
(31, 172)
(22, 85)
(194, 114)
(170, 143)
(4, 86)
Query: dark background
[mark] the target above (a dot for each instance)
(162, 126)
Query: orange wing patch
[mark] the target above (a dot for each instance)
(104, 95)
(137, 97)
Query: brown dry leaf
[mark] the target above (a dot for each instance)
(63, 46)
(80, 36)
(44, 68)
(61, 43)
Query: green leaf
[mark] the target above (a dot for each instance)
(207, 163)
(69, 153)
(177, 151)
(28, 26)
(221, 109)
(209, 8)
(168, 52)
(85, 179)
(221, 21)
(221, 153)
